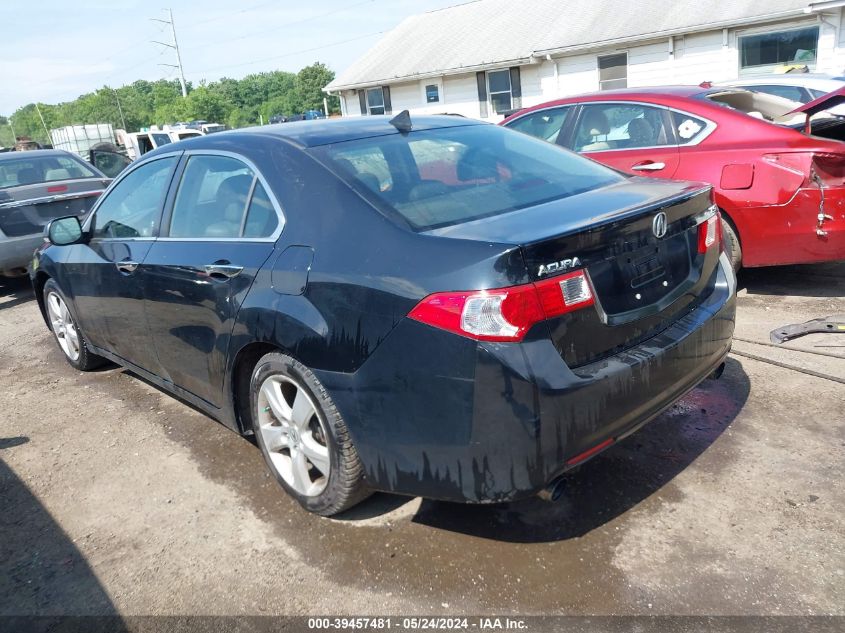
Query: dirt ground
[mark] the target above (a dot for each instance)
(118, 499)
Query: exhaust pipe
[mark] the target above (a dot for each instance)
(717, 373)
(554, 491)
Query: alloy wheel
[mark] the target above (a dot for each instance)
(63, 326)
(294, 435)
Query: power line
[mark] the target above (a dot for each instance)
(288, 54)
(279, 26)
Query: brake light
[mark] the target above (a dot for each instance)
(56, 188)
(710, 232)
(504, 314)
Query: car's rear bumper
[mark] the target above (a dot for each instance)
(16, 252)
(791, 233)
(435, 415)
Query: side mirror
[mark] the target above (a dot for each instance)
(63, 231)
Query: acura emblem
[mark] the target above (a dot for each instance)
(658, 225)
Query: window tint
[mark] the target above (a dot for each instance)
(35, 169)
(213, 198)
(545, 124)
(687, 127)
(619, 126)
(768, 51)
(365, 164)
(613, 71)
(499, 86)
(793, 93)
(261, 217)
(133, 207)
(458, 174)
(816, 93)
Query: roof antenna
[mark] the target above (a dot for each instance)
(402, 122)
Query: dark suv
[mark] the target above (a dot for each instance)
(434, 307)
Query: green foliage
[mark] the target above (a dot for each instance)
(235, 102)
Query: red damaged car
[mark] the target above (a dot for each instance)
(778, 170)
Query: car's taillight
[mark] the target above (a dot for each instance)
(710, 232)
(504, 314)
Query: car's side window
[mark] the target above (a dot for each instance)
(688, 128)
(608, 126)
(545, 124)
(133, 207)
(221, 197)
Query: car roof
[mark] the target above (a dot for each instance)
(787, 79)
(41, 153)
(324, 131)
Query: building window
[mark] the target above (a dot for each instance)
(375, 101)
(765, 52)
(432, 93)
(613, 71)
(499, 87)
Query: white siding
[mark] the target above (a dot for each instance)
(649, 64)
(687, 59)
(577, 74)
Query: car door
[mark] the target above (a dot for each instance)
(104, 273)
(220, 229)
(632, 137)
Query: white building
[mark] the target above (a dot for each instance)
(483, 58)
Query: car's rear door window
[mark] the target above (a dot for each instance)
(221, 197)
(457, 174)
(544, 124)
(132, 209)
(608, 126)
(36, 169)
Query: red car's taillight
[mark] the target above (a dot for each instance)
(504, 314)
(710, 232)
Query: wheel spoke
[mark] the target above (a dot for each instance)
(275, 437)
(302, 411)
(316, 453)
(72, 337)
(276, 401)
(299, 469)
(55, 308)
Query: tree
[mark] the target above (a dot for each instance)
(310, 82)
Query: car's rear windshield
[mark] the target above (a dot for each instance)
(32, 169)
(435, 178)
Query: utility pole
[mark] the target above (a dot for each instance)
(175, 47)
(119, 109)
(46, 131)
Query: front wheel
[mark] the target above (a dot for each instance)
(303, 437)
(65, 329)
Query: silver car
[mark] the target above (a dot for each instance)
(36, 187)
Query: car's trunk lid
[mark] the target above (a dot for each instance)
(26, 209)
(638, 242)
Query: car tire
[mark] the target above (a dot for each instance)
(732, 246)
(66, 332)
(302, 434)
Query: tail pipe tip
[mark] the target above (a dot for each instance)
(553, 492)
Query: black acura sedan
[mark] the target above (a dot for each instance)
(430, 306)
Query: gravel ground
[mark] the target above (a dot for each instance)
(118, 499)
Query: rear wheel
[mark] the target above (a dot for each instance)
(303, 437)
(732, 246)
(70, 338)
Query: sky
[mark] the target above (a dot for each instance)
(54, 50)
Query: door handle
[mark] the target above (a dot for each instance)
(648, 166)
(221, 270)
(126, 266)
